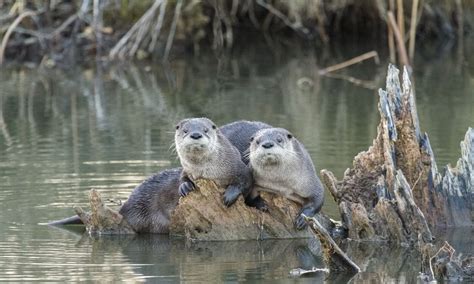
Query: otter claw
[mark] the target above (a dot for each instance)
(300, 222)
(230, 196)
(185, 188)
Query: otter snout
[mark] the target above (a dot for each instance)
(265, 155)
(195, 142)
(196, 135)
(268, 144)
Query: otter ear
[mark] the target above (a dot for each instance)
(251, 139)
(177, 126)
(289, 135)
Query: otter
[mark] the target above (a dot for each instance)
(280, 164)
(148, 209)
(204, 152)
(286, 169)
(208, 154)
(239, 134)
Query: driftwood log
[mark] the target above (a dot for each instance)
(102, 219)
(203, 216)
(394, 190)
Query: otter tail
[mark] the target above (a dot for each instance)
(73, 220)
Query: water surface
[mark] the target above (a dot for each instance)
(65, 132)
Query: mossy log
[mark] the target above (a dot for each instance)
(394, 190)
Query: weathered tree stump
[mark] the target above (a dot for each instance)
(202, 216)
(394, 190)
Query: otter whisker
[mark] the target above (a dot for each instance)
(246, 154)
(292, 153)
(172, 148)
(247, 151)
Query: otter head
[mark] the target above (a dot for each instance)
(195, 139)
(271, 147)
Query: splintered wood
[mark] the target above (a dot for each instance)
(394, 190)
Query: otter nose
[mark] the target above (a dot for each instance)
(196, 135)
(267, 145)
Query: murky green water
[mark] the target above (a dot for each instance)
(63, 133)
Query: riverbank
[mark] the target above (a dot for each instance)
(66, 33)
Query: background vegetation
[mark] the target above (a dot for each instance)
(61, 31)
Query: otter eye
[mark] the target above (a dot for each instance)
(214, 127)
(258, 142)
(289, 136)
(279, 140)
(185, 130)
(177, 127)
(206, 130)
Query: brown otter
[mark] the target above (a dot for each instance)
(206, 153)
(280, 164)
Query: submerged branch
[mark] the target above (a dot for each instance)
(352, 61)
(334, 257)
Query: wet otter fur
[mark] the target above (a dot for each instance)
(280, 164)
(205, 153)
(149, 207)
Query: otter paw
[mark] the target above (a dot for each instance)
(231, 195)
(300, 223)
(185, 188)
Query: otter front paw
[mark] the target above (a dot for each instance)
(231, 195)
(300, 223)
(186, 187)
